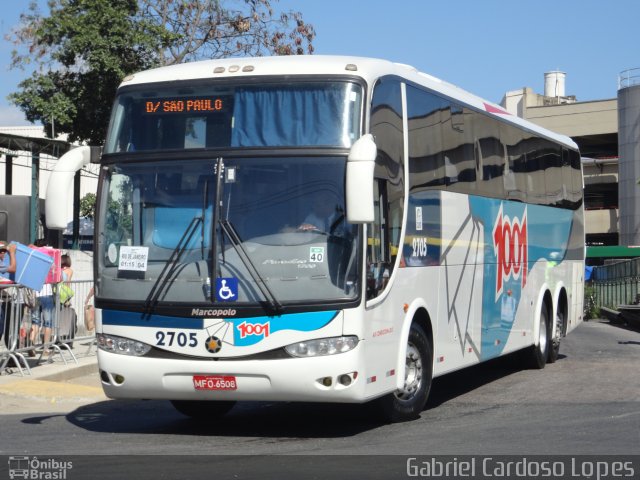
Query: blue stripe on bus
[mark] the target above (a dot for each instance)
(301, 322)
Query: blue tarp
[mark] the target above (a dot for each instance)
(588, 271)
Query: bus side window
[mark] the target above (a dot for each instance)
(384, 233)
(378, 247)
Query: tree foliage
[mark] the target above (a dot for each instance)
(220, 29)
(88, 205)
(84, 48)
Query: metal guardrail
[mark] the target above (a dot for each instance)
(618, 270)
(629, 78)
(37, 326)
(617, 284)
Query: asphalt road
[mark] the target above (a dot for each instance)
(587, 403)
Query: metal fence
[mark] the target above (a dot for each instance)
(617, 284)
(55, 323)
(629, 78)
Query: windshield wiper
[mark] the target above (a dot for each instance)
(170, 267)
(228, 228)
(205, 196)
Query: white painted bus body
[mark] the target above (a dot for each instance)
(451, 293)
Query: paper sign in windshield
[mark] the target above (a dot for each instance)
(133, 258)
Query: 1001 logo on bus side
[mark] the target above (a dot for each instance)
(510, 245)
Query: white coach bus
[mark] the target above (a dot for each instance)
(327, 229)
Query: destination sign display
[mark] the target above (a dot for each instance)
(184, 105)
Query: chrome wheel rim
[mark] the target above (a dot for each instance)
(412, 374)
(559, 326)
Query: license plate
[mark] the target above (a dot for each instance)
(214, 382)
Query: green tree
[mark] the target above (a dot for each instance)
(88, 205)
(84, 48)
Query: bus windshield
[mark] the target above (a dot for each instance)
(280, 222)
(197, 116)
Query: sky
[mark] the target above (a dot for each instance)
(487, 47)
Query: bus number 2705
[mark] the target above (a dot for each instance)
(181, 339)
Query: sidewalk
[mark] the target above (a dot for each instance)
(52, 386)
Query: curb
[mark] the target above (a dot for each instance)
(53, 383)
(70, 373)
(51, 392)
(54, 371)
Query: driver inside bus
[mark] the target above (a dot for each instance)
(325, 215)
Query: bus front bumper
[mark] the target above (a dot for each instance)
(331, 378)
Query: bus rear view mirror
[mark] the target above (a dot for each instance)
(359, 188)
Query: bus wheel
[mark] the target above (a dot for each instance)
(554, 348)
(202, 409)
(407, 402)
(536, 355)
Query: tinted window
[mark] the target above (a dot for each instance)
(462, 150)
(384, 234)
(425, 115)
(553, 174)
(515, 181)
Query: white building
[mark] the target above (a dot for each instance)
(19, 147)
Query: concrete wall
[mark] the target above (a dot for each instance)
(601, 221)
(577, 119)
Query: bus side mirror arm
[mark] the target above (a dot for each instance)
(359, 183)
(61, 183)
(95, 154)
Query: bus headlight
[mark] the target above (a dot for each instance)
(322, 346)
(121, 345)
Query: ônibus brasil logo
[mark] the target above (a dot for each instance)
(511, 248)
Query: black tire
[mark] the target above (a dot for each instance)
(203, 409)
(536, 355)
(554, 348)
(407, 403)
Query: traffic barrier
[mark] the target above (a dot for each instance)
(617, 284)
(38, 327)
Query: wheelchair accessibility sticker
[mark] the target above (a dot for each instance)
(227, 289)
